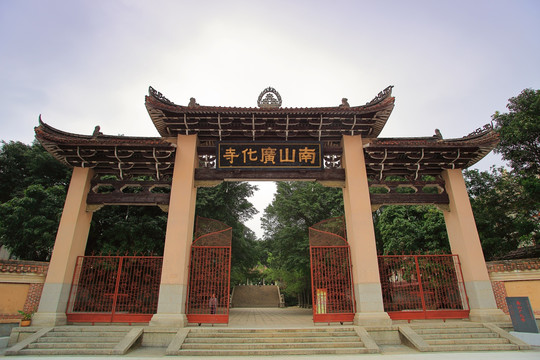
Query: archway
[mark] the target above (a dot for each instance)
(204, 145)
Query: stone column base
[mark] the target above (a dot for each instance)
(169, 320)
(49, 319)
(488, 315)
(372, 319)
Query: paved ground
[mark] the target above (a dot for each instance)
(301, 318)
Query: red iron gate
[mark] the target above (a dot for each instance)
(331, 278)
(114, 289)
(423, 287)
(210, 270)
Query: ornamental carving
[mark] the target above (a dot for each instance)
(159, 96)
(381, 95)
(269, 98)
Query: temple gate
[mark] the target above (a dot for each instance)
(204, 145)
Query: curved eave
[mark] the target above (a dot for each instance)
(429, 152)
(107, 154)
(163, 112)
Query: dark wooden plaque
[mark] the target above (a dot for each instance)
(522, 314)
(269, 156)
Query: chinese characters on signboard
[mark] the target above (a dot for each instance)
(522, 315)
(269, 156)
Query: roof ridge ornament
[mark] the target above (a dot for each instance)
(159, 96)
(271, 100)
(381, 95)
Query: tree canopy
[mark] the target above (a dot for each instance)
(505, 212)
(506, 203)
(519, 132)
(296, 206)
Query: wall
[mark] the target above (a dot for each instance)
(516, 278)
(21, 283)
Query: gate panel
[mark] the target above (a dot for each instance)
(210, 268)
(331, 278)
(423, 287)
(114, 289)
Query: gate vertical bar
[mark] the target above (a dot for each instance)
(420, 285)
(116, 287)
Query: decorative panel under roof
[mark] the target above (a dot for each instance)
(427, 155)
(117, 155)
(270, 122)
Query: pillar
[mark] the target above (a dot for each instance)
(70, 242)
(361, 236)
(465, 242)
(175, 271)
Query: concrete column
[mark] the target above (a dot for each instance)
(361, 236)
(465, 242)
(70, 242)
(175, 272)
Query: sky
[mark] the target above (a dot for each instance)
(85, 63)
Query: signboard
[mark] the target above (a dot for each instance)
(285, 155)
(521, 314)
(321, 301)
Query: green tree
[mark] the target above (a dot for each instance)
(28, 224)
(296, 206)
(506, 214)
(519, 132)
(228, 202)
(23, 165)
(410, 229)
(127, 230)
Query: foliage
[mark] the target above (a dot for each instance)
(127, 230)
(296, 206)
(228, 202)
(519, 132)
(28, 224)
(26, 315)
(410, 229)
(505, 209)
(22, 165)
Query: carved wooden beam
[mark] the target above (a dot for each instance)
(327, 177)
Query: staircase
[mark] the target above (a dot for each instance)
(78, 340)
(460, 336)
(261, 342)
(259, 296)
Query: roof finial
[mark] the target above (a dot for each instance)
(96, 132)
(271, 100)
(344, 103)
(193, 102)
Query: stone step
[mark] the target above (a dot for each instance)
(447, 324)
(325, 330)
(82, 345)
(451, 330)
(198, 340)
(264, 346)
(267, 334)
(468, 341)
(73, 329)
(475, 347)
(459, 336)
(274, 352)
(75, 339)
(86, 334)
(54, 352)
